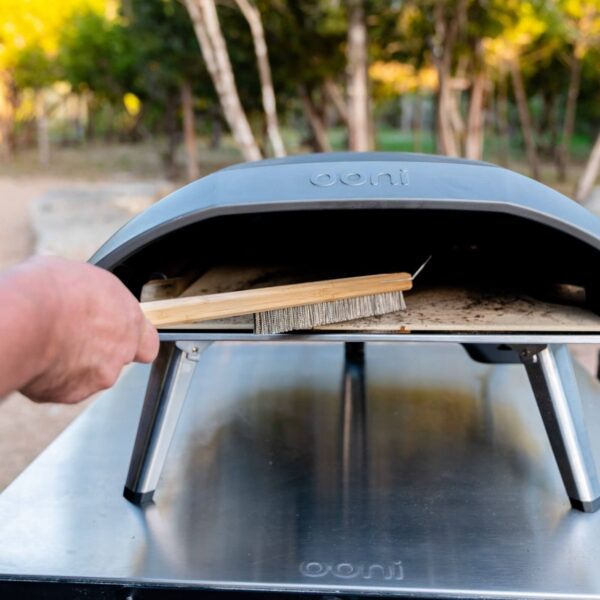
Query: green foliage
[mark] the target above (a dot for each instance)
(166, 48)
(109, 48)
(98, 54)
(34, 69)
(306, 42)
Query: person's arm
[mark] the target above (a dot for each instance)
(66, 330)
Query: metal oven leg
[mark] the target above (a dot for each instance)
(167, 389)
(552, 378)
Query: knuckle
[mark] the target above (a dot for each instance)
(129, 352)
(107, 376)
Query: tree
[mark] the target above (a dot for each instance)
(167, 80)
(189, 130)
(590, 173)
(448, 19)
(307, 38)
(35, 70)
(203, 14)
(523, 24)
(358, 82)
(98, 54)
(581, 22)
(100, 60)
(252, 16)
(29, 42)
(524, 116)
(475, 119)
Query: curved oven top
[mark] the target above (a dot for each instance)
(352, 180)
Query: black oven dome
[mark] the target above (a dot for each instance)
(347, 180)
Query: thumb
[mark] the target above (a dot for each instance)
(148, 344)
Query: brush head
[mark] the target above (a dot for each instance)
(325, 313)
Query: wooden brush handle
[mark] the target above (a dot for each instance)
(244, 302)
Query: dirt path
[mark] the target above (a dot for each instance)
(25, 428)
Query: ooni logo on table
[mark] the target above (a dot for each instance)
(356, 178)
(345, 570)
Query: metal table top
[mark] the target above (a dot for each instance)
(438, 482)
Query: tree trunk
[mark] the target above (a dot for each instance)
(214, 50)
(524, 117)
(590, 173)
(446, 30)
(252, 15)
(172, 135)
(417, 123)
(337, 99)
(189, 131)
(216, 131)
(475, 119)
(81, 119)
(502, 120)
(315, 121)
(7, 113)
(108, 118)
(41, 124)
(569, 122)
(446, 141)
(358, 83)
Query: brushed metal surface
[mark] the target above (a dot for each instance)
(439, 481)
(433, 338)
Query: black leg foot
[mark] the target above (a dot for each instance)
(138, 498)
(586, 507)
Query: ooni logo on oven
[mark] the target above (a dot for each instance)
(345, 570)
(356, 178)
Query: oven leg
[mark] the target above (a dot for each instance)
(552, 378)
(167, 389)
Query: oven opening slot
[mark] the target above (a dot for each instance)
(489, 272)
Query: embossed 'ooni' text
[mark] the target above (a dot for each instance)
(355, 178)
(344, 570)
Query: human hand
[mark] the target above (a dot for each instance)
(91, 326)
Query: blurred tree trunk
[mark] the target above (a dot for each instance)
(252, 15)
(549, 129)
(315, 120)
(337, 100)
(108, 117)
(172, 135)
(214, 50)
(81, 119)
(189, 131)
(41, 125)
(569, 122)
(7, 115)
(216, 131)
(502, 120)
(590, 173)
(476, 116)
(358, 77)
(475, 119)
(446, 25)
(524, 117)
(417, 123)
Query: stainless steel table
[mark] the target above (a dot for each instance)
(431, 477)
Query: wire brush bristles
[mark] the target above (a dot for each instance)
(324, 313)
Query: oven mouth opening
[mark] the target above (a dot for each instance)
(488, 271)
